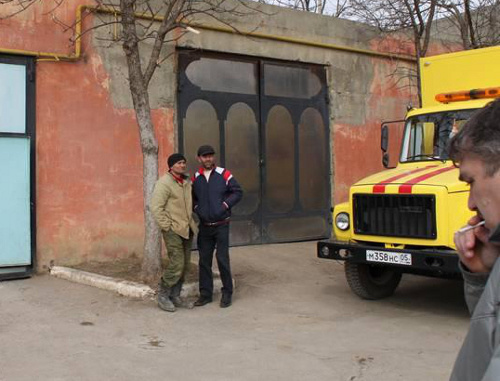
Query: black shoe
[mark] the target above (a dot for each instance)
(225, 301)
(202, 300)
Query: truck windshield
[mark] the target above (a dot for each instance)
(426, 136)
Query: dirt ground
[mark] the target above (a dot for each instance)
(127, 269)
(293, 318)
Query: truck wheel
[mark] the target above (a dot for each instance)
(371, 282)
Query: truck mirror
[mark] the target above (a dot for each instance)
(385, 159)
(384, 138)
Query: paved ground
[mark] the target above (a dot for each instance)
(293, 318)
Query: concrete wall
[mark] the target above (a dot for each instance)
(89, 164)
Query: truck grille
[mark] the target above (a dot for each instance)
(395, 215)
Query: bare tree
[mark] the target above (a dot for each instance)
(476, 21)
(151, 22)
(407, 16)
(335, 8)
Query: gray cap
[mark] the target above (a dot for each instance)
(206, 150)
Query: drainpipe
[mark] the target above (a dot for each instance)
(44, 56)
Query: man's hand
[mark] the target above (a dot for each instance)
(474, 250)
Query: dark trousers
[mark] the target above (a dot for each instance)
(210, 237)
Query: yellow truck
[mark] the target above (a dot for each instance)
(402, 220)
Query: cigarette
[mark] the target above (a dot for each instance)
(470, 227)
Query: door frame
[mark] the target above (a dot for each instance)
(14, 272)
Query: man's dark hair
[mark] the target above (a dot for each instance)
(480, 136)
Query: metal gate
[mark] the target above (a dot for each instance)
(269, 123)
(17, 226)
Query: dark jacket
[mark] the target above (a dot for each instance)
(213, 199)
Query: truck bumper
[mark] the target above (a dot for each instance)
(439, 263)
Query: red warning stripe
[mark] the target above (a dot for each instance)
(226, 175)
(380, 187)
(198, 172)
(407, 187)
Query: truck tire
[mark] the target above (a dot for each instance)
(371, 282)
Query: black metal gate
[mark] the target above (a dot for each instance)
(268, 121)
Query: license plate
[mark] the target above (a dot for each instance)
(388, 257)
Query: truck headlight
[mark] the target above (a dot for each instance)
(342, 221)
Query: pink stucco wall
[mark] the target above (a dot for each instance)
(89, 163)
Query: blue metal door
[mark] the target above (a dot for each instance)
(16, 214)
(15, 234)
